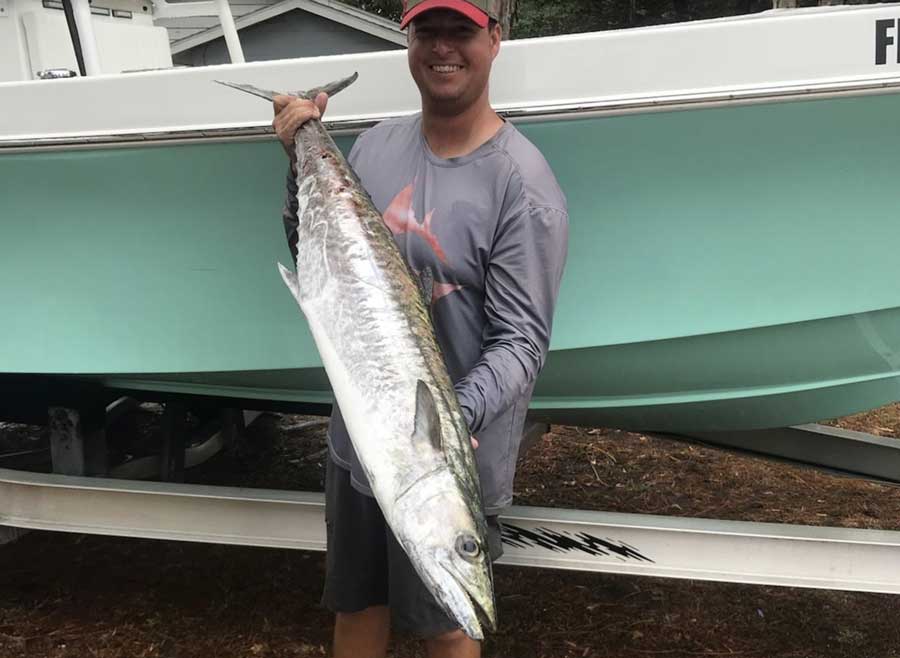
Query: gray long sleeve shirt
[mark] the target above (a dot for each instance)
(487, 236)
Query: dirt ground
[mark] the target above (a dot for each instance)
(99, 597)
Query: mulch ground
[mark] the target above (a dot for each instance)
(101, 597)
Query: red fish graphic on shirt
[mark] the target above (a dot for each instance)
(401, 218)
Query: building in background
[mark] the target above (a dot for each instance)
(282, 30)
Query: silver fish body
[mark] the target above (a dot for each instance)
(372, 327)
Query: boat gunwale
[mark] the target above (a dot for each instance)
(579, 110)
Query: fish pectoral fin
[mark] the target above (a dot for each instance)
(427, 425)
(290, 280)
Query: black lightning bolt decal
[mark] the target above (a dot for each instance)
(564, 542)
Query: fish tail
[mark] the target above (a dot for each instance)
(250, 89)
(331, 89)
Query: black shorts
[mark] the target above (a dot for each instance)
(365, 565)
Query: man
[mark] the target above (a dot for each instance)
(479, 217)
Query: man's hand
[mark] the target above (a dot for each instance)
(291, 113)
(474, 443)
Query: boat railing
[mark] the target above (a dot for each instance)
(78, 16)
(220, 8)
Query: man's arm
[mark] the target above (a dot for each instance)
(521, 287)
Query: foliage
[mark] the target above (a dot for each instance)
(534, 18)
(540, 18)
(387, 8)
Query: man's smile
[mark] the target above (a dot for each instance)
(446, 68)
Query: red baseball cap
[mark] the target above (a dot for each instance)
(478, 11)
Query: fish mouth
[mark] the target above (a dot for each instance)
(482, 604)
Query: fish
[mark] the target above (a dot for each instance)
(372, 327)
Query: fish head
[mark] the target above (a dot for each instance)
(449, 549)
(437, 517)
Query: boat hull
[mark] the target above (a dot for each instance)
(729, 268)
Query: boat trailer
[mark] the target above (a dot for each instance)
(637, 544)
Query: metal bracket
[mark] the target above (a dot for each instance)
(833, 448)
(703, 549)
(78, 441)
(196, 454)
(174, 441)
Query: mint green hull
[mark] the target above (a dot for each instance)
(729, 268)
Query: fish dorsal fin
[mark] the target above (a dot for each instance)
(427, 425)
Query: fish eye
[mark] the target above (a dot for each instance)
(468, 547)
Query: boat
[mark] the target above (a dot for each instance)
(732, 195)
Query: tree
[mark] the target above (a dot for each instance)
(389, 9)
(509, 10)
(538, 18)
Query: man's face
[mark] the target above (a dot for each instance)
(450, 59)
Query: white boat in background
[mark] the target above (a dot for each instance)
(731, 186)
